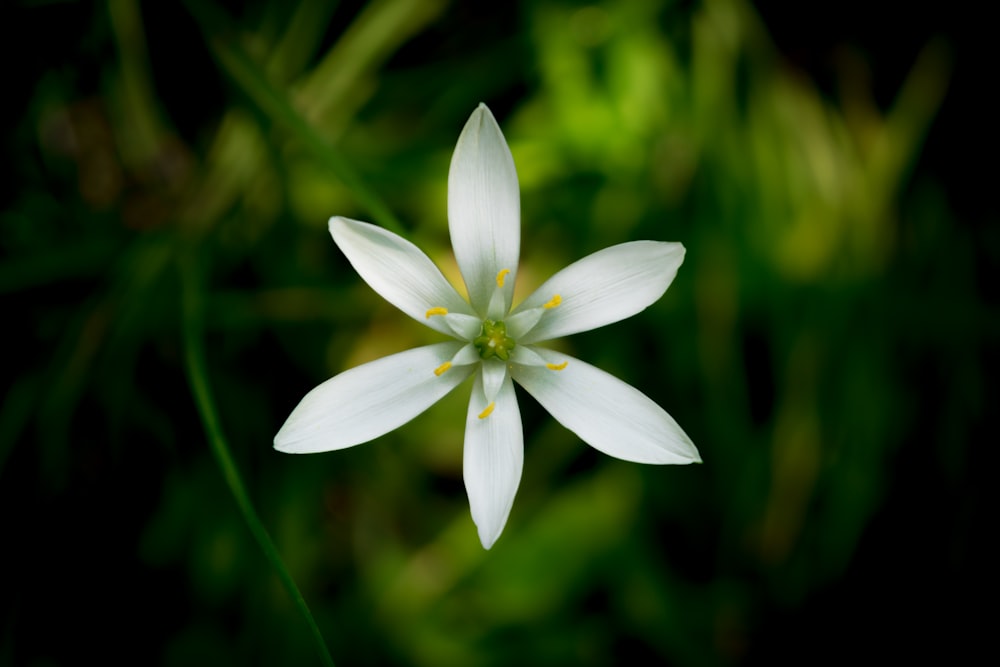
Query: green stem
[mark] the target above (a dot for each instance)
(198, 379)
(250, 77)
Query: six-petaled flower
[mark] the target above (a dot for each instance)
(493, 342)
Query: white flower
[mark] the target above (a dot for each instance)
(492, 342)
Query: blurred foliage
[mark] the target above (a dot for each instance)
(823, 343)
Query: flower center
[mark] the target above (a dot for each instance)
(493, 341)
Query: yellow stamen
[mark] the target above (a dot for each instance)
(443, 367)
(500, 277)
(436, 310)
(488, 411)
(553, 302)
(557, 367)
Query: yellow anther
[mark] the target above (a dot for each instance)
(436, 310)
(445, 366)
(553, 302)
(557, 367)
(488, 411)
(500, 277)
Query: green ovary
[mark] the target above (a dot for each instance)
(493, 341)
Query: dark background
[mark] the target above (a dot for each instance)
(828, 343)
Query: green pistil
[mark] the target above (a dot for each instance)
(493, 341)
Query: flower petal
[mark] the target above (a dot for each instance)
(493, 459)
(370, 400)
(464, 327)
(494, 373)
(484, 209)
(606, 413)
(605, 287)
(398, 270)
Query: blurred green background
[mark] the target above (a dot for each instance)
(827, 343)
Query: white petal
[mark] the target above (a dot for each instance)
(494, 373)
(525, 355)
(605, 287)
(484, 209)
(466, 327)
(467, 355)
(499, 304)
(398, 270)
(606, 413)
(523, 321)
(494, 456)
(370, 400)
